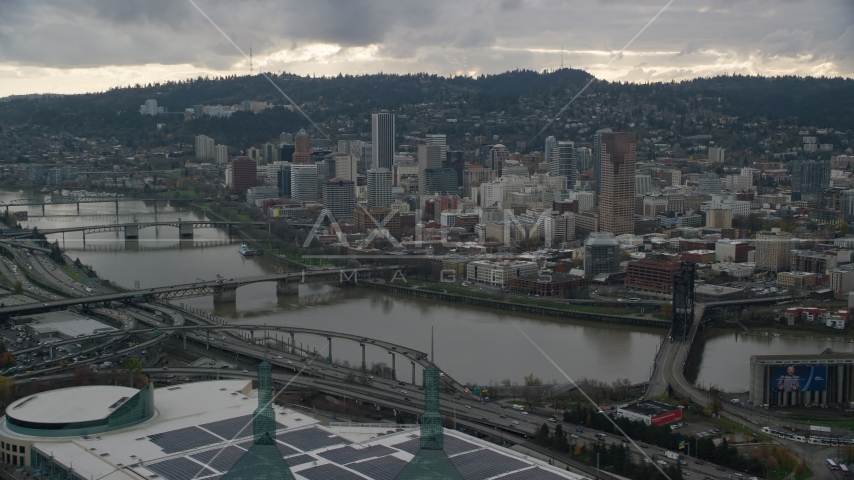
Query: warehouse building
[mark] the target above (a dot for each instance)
(650, 412)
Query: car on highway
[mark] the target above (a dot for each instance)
(503, 416)
(551, 419)
(165, 368)
(407, 399)
(515, 422)
(245, 371)
(698, 462)
(661, 462)
(722, 469)
(468, 406)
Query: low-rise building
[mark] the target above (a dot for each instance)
(498, 273)
(699, 256)
(651, 275)
(796, 279)
(650, 412)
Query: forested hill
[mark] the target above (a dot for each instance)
(526, 98)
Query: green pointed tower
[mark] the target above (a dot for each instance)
(431, 462)
(263, 461)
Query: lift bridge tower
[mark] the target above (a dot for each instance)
(683, 300)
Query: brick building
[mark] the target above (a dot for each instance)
(651, 275)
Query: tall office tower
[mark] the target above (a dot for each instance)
(810, 177)
(440, 180)
(244, 174)
(439, 139)
(382, 136)
(583, 159)
(549, 149)
(345, 166)
(283, 179)
(286, 152)
(366, 155)
(339, 197)
(221, 154)
(716, 155)
(617, 193)
(344, 146)
(302, 148)
(643, 184)
(562, 163)
(204, 147)
(304, 183)
(429, 158)
(596, 158)
(498, 154)
(379, 187)
(270, 152)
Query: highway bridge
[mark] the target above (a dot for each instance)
(131, 230)
(223, 290)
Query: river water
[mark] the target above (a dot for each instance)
(472, 344)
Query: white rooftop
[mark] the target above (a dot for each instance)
(65, 405)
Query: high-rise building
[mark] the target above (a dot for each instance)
(562, 162)
(549, 147)
(379, 188)
(244, 173)
(601, 254)
(304, 183)
(302, 148)
(710, 183)
(716, 155)
(283, 179)
(773, 250)
(429, 158)
(220, 154)
(286, 152)
(343, 147)
(498, 154)
(439, 140)
(596, 157)
(150, 108)
(339, 198)
(204, 147)
(346, 166)
(382, 140)
(810, 177)
(617, 193)
(440, 180)
(719, 218)
(270, 152)
(583, 158)
(643, 184)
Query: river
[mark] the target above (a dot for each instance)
(472, 344)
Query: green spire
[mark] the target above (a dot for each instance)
(264, 419)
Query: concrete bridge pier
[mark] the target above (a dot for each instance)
(293, 347)
(393, 368)
(185, 229)
(225, 294)
(287, 286)
(329, 356)
(42, 209)
(117, 207)
(185, 340)
(364, 367)
(413, 372)
(131, 232)
(208, 340)
(252, 337)
(78, 208)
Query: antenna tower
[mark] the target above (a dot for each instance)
(251, 67)
(561, 57)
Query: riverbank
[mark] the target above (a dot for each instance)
(519, 307)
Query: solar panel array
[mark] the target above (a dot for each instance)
(298, 460)
(383, 468)
(484, 464)
(285, 450)
(328, 472)
(349, 454)
(237, 427)
(181, 468)
(310, 439)
(453, 446)
(182, 439)
(220, 459)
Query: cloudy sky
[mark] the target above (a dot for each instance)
(74, 46)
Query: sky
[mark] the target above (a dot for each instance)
(78, 46)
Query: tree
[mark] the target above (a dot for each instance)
(843, 228)
(543, 436)
(19, 288)
(7, 385)
(134, 367)
(7, 360)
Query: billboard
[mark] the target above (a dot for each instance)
(799, 378)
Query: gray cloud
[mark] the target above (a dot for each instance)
(701, 37)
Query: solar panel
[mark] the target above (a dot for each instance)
(383, 468)
(328, 472)
(220, 459)
(309, 439)
(453, 446)
(285, 450)
(536, 473)
(484, 464)
(181, 468)
(346, 455)
(237, 427)
(299, 460)
(182, 439)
